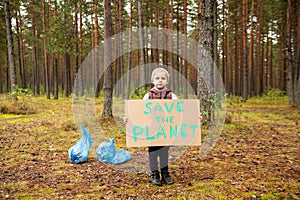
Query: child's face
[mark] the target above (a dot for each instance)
(160, 80)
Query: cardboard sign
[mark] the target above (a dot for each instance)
(162, 122)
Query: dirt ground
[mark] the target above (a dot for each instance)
(256, 157)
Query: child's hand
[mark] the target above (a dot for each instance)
(200, 117)
(125, 119)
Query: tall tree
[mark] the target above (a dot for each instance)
(35, 67)
(237, 84)
(293, 87)
(76, 45)
(46, 67)
(55, 62)
(245, 52)
(204, 53)
(185, 70)
(10, 47)
(107, 106)
(297, 62)
(142, 43)
(251, 49)
(20, 45)
(129, 54)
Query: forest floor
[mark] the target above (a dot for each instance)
(256, 157)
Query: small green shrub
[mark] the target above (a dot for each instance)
(273, 92)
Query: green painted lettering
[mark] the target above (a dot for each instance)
(172, 120)
(158, 107)
(182, 131)
(171, 107)
(148, 104)
(194, 127)
(148, 137)
(174, 131)
(137, 130)
(179, 106)
(161, 131)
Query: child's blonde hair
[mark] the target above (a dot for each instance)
(157, 70)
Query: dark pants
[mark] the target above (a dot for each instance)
(158, 151)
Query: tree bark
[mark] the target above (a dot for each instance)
(19, 27)
(35, 68)
(237, 84)
(120, 60)
(76, 46)
(251, 52)
(46, 67)
(10, 47)
(204, 54)
(81, 76)
(293, 79)
(245, 63)
(297, 63)
(185, 69)
(107, 106)
(128, 85)
(142, 44)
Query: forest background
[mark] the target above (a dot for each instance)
(255, 44)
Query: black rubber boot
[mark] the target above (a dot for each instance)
(166, 178)
(155, 178)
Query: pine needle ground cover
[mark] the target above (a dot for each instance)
(256, 157)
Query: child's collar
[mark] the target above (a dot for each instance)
(165, 88)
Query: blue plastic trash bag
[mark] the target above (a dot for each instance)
(106, 151)
(79, 152)
(121, 157)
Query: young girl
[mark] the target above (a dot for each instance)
(160, 79)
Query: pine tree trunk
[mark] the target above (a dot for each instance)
(223, 46)
(128, 86)
(107, 106)
(96, 57)
(293, 79)
(35, 68)
(170, 26)
(215, 41)
(120, 60)
(156, 60)
(289, 55)
(55, 77)
(177, 88)
(21, 53)
(237, 84)
(251, 52)
(46, 67)
(116, 46)
(255, 72)
(245, 64)
(76, 47)
(297, 63)
(262, 64)
(81, 77)
(67, 74)
(10, 47)
(142, 44)
(204, 54)
(185, 70)
(228, 59)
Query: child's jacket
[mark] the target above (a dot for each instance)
(160, 94)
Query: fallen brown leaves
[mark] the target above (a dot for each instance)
(256, 157)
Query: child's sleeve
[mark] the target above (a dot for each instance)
(146, 96)
(174, 96)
